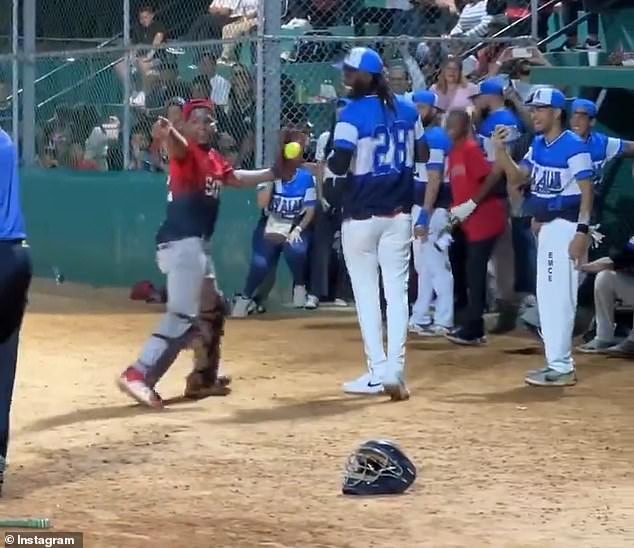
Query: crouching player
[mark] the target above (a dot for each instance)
(288, 210)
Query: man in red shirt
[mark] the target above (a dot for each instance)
(195, 306)
(471, 181)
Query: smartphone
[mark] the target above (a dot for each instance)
(521, 53)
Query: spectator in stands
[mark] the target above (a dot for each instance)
(452, 88)
(519, 70)
(209, 25)
(321, 13)
(474, 21)
(239, 118)
(98, 141)
(201, 87)
(228, 147)
(77, 158)
(151, 32)
(168, 85)
(245, 20)
(220, 86)
(570, 8)
(58, 136)
(140, 156)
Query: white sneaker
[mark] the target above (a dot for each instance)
(340, 302)
(242, 307)
(394, 386)
(416, 328)
(312, 302)
(299, 296)
(434, 330)
(365, 384)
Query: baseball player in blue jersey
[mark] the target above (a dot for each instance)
(432, 198)
(289, 208)
(559, 168)
(602, 148)
(15, 278)
(374, 145)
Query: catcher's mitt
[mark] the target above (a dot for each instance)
(285, 168)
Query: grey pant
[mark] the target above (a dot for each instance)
(608, 287)
(186, 265)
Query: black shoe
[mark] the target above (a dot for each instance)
(465, 337)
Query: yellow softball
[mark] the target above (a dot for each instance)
(292, 150)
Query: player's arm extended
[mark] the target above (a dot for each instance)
(249, 178)
(434, 180)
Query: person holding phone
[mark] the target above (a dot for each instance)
(558, 166)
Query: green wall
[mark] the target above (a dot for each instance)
(98, 228)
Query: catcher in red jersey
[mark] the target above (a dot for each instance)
(195, 312)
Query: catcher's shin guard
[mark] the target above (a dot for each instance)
(204, 381)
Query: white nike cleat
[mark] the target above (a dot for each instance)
(365, 384)
(394, 386)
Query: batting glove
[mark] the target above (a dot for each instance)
(295, 236)
(463, 210)
(596, 237)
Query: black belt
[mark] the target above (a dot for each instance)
(366, 216)
(19, 241)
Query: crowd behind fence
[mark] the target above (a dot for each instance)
(92, 78)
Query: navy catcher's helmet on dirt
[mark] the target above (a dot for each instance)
(378, 467)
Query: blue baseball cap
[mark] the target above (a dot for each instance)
(426, 97)
(491, 86)
(365, 59)
(548, 97)
(584, 106)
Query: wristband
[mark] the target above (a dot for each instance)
(583, 228)
(423, 218)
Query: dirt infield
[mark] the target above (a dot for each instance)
(501, 465)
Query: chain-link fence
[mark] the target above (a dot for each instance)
(95, 76)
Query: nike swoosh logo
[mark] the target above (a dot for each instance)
(374, 384)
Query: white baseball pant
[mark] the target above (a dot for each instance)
(370, 244)
(434, 271)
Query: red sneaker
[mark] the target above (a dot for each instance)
(132, 382)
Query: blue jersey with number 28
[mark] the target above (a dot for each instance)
(381, 176)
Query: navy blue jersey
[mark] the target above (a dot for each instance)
(555, 170)
(194, 185)
(439, 145)
(11, 220)
(380, 180)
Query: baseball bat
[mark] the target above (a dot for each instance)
(25, 523)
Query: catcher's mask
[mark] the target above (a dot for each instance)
(378, 467)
